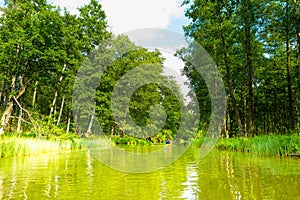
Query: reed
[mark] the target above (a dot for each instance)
(270, 145)
(18, 146)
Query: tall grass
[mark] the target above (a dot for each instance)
(18, 146)
(270, 145)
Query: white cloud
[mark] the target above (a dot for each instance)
(126, 15)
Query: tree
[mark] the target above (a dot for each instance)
(40, 46)
(214, 31)
(104, 71)
(250, 41)
(296, 20)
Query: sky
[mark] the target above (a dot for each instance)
(127, 15)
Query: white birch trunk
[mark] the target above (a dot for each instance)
(61, 110)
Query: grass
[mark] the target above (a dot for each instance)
(269, 145)
(19, 146)
(26, 144)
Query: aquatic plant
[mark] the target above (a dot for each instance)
(271, 145)
(20, 146)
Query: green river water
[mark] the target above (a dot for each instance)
(220, 175)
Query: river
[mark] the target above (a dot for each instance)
(220, 175)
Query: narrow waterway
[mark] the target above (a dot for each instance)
(220, 175)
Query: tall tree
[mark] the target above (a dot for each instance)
(288, 63)
(256, 44)
(297, 27)
(39, 46)
(109, 63)
(214, 30)
(247, 10)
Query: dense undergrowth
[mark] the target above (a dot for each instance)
(159, 138)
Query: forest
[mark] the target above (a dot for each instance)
(89, 114)
(255, 45)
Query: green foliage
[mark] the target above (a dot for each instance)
(116, 58)
(159, 138)
(162, 136)
(272, 48)
(270, 145)
(27, 146)
(41, 51)
(128, 140)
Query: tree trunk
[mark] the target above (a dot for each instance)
(297, 113)
(288, 62)
(34, 93)
(245, 108)
(285, 111)
(230, 86)
(54, 112)
(297, 19)
(53, 105)
(69, 122)
(2, 90)
(264, 116)
(9, 108)
(275, 109)
(112, 131)
(227, 119)
(60, 111)
(248, 46)
(250, 88)
(78, 114)
(89, 130)
(56, 94)
(268, 120)
(13, 94)
(20, 120)
(6, 116)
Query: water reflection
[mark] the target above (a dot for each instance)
(229, 168)
(1, 188)
(162, 193)
(191, 189)
(221, 175)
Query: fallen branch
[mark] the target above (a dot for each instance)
(29, 115)
(23, 120)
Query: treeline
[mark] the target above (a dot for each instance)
(256, 46)
(48, 60)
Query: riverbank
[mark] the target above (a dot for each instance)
(27, 146)
(267, 145)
